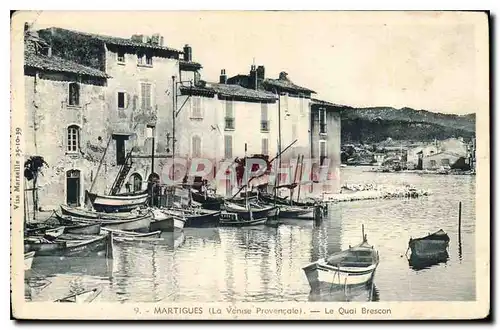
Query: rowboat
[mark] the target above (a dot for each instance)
(54, 232)
(137, 223)
(296, 212)
(28, 260)
(256, 212)
(354, 266)
(166, 223)
(117, 203)
(233, 219)
(430, 245)
(211, 202)
(82, 297)
(196, 218)
(82, 213)
(139, 239)
(418, 263)
(101, 245)
(85, 229)
(122, 233)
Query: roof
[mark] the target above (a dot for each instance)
(117, 40)
(189, 65)
(287, 84)
(197, 90)
(445, 152)
(54, 63)
(237, 91)
(328, 104)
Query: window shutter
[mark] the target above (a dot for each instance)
(228, 146)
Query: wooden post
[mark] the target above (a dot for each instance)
(459, 219)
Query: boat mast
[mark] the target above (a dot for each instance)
(300, 176)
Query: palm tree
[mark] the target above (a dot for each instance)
(32, 168)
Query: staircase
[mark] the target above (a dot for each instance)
(122, 174)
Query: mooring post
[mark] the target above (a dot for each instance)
(459, 219)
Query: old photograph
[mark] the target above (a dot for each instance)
(250, 165)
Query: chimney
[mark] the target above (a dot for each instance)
(157, 39)
(188, 53)
(223, 77)
(26, 27)
(283, 75)
(252, 83)
(261, 72)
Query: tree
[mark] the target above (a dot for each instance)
(32, 168)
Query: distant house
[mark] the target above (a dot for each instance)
(457, 146)
(441, 159)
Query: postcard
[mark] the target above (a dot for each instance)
(250, 165)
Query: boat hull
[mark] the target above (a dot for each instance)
(255, 214)
(117, 203)
(202, 220)
(243, 223)
(28, 260)
(97, 246)
(296, 213)
(139, 224)
(82, 297)
(81, 213)
(167, 225)
(320, 273)
(428, 248)
(86, 229)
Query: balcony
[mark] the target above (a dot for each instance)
(229, 124)
(264, 126)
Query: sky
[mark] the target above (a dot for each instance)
(433, 61)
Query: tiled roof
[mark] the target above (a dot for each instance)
(287, 84)
(118, 41)
(236, 91)
(54, 63)
(196, 90)
(329, 104)
(189, 64)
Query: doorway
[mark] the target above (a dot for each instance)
(73, 188)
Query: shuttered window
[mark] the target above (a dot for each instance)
(229, 119)
(196, 107)
(196, 146)
(74, 94)
(265, 146)
(146, 96)
(322, 152)
(228, 147)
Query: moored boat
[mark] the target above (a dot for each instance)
(196, 218)
(101, 245)
(85, 229)
(87, 296)
(296, 212)
(136, 223)
(117, 203)
(166, 223)
(233, 219)
(82, 213)
(123, 233)
(430, 245)
(354, 266)
(252, 211)
(54, 232)
(28, 260)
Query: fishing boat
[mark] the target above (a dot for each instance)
(87, 296)
(101, 245)
(234, 220)
(117, 203)
(28, 260)
(123, 233)
(85, 229)
(296, 212)
(82, 213)
(166, 223)
(354, 266)
(135, 223)
(256, 212)
(196, 218)
(430, 245)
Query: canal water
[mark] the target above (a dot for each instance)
(265, 264)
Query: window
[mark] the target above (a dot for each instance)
(229, 115)
(121, 100)
(196, 110)
(228, 147)
(120, 57)
(196, 146)
(264, 122)
(322, 152)
(140, 58)
(136, 181)
(120, 151)
(73, 142)
(433, 163)
(322, 121)
(265, 146)
(74, 94)
(303, 106)
(145, 96)
(149, 132)
(445, 161)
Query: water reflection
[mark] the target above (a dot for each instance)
(360, 293)
(47, 266)
(417, 263)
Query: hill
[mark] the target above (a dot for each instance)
(371, 125)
